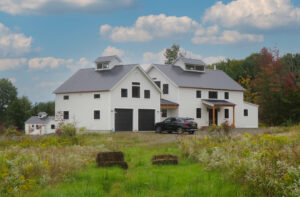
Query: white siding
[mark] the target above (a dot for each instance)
(250, 121)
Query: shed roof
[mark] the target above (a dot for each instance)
(89, 80)
(210, 79)
(37, 120)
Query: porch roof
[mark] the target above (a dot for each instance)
(167, 102)
(217, 103)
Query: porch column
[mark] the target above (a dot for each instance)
(213, 114)
(233, 123)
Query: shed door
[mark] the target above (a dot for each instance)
(123, 119)
(146, 119)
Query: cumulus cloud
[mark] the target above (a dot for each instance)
(11, 63)
(113, 51)
(227, 37)
(14, 44)
(261, 14)
(48, 84)
(12, 80)
(16, 7)
(147, 28)
(52, 63)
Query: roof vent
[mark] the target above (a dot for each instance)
(42, 115)
(107, 62)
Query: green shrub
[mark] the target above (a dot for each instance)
(12, 131)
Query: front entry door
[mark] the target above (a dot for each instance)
(210, 115)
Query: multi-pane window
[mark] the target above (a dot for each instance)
(166, 89)
(226, 111)
(103, 65)
(147, 93)
(226, 95)
(164, 113)
(97, 114)
(66, 115)
(96, 96)
(245, 112)
(212, 94)
(123, 92)
(66, 97)
(135, 90)
(198, 93)
(194, 67)
(157, 83)
(198, 111)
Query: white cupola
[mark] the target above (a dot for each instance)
(189, 64)
(107, 62)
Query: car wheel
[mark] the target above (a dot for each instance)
(180, 130)
(158, 130)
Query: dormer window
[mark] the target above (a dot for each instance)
(194, 67)
(103, 65)
(107, 62)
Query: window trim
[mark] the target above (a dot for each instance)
(97, 118)
(198, 112)
(126, 91)
(198, 96)
(246, 112)
(226, 112)
(138, 93)
(53, 126)
(165, 88)
(209, 96)
(148, 96)
(164, 113)
(226, 95)
(68, 116)
(96, 96)
(66, 97)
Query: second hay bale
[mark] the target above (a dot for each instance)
(105, 159)
(165, 159)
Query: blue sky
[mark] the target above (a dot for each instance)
(43, 42)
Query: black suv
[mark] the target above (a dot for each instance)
(180, 125)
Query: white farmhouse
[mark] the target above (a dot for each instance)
(40, 125)
(208, 96)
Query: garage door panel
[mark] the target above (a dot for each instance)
(123, 119)
(146, 119)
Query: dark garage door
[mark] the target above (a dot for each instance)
(123, 119)
(146, 119)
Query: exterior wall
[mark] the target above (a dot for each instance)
(135, 103)
(188, 104)
(250, 121)
(44, 128)
(81, 108)
(173, 89)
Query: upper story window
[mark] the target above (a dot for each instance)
(226, 95)
(135, 90)
(103, 65)
(66, 115)
(213, 94)
(96, 96)
(194, 67)
(198, 94)
(123, 92)
(245, 112)
(66, 97)
(157, 83)
(147, 93)
(97, 115)
(166, 89)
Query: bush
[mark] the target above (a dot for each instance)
(12, 131)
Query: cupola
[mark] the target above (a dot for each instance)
(189, 64)
(107, 62)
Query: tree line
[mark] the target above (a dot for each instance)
(14, 110)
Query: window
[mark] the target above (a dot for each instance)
(66, 115)
(96, 96)
(226, 95)
(97, 114)
(198, 94)
(166, 89)
(66, 97)
(212, 94)
(198, 111)
(102, 65)
(123, 92)
(199, 68)
(135, 92)
(37, 127)
(194, 67)
(226, 111)
(157, 83)
(53, 126)
(164, 113)
(245, 112)
(147, 93)
(32, 126)
(136, 83)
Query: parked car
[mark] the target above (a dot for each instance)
(179, 125)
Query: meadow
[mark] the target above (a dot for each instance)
(266, 164)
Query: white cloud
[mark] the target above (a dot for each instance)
(262, 14)
(13, 44)
(48, 84)
(227, 37)
(12, 80)
(147, 28)
(113, 51)
(11, 63)
(212, 59)
(63, 6)
(52, 63)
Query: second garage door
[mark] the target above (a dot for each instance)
(123, 119)
(146, 119)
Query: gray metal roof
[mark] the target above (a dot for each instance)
(90, 80)
(210, 79)
(192, 61)
(218, 102)
(107, 59)
(37, 120)
(167, 102)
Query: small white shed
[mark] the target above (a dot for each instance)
(40, 125)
